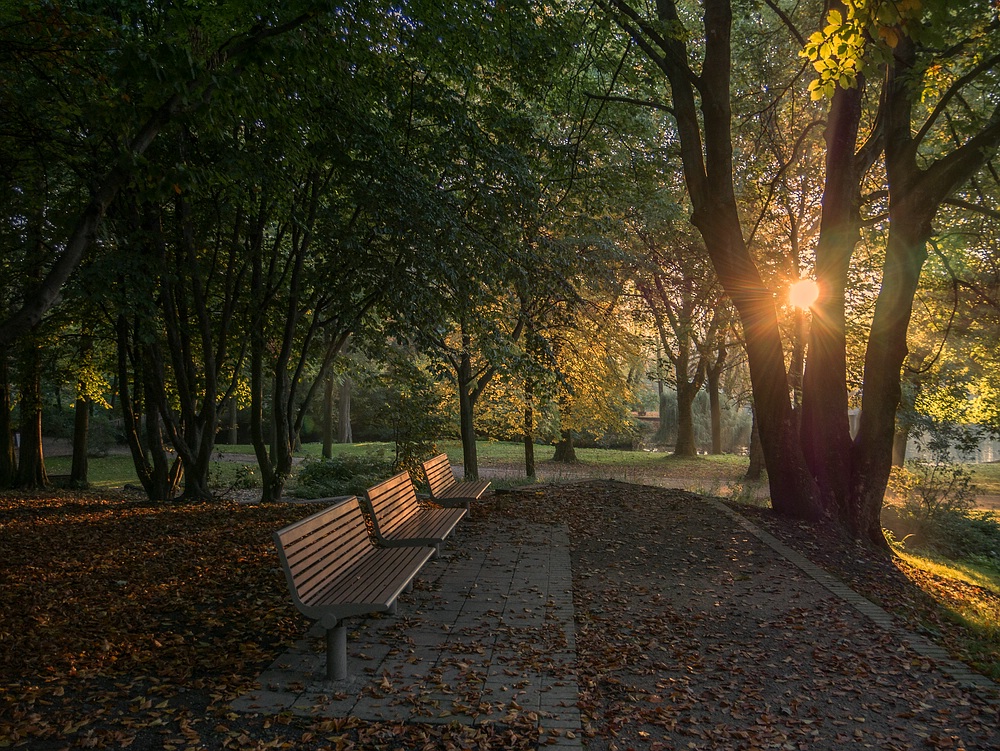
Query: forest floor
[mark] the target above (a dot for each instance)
(127, 624)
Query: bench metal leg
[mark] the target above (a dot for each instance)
(393, 607)
(437, 551)
(336, 652)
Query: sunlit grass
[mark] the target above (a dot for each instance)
(102, 472)
(986, 577)
(986, 477)
(968, 594)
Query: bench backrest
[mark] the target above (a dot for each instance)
(393, 502)
(318, 548)
(438, 472)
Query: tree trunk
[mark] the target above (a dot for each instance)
(8, 457)
(686, 393)
(664, 432)
(706, 148)
(899, 440)
(713, 377)
(344, 432)
(158, 476)
(565, 450)
(234, 421)
(81, 435)
(466, 409)
(756, 468)
(824, 423)
(529, 430)
(872, 456)
(81, 420)
(31, 461)
(328, 417)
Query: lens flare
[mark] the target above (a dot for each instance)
(803, 293)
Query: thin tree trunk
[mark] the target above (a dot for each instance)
(713, 377)
(344, 432)
(466, 407)
(328, 417)
(756, 468)
(529, 430)
(234, 421)
(8, 456)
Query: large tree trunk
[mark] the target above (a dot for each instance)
(565, 450)
(707, 155)
(31, 461)
(686, 394)
(824, 424)
(872, 457)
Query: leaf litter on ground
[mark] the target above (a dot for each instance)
(128, 624)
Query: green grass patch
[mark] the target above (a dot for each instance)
(102, 472)
(986, 477)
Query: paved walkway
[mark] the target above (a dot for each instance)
(487, 634)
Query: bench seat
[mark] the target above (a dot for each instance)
(445, 489)
(399, 520)
(335, 571)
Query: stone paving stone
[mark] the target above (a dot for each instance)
(486, 634)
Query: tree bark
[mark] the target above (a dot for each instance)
(31, 459)
(529, 430)
(81, 435)
(565, 450)
(824, 424)
(328, 417)
(686, 394)
(756, 468)
(713, 378)
(344, 432)
(466, 408)
(8, 456)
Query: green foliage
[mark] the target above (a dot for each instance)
(929, 490)
(347, 474)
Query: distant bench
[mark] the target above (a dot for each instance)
(399, 519)
(335, 571)
(445, 489)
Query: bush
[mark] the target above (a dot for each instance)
(930, 490)
(350, 474)
(935, 501)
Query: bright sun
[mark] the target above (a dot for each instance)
(803, 293)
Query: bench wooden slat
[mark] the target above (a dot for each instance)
(445, 489)
(334, 570)
(398, 519)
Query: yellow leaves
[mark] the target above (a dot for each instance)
(870, 31)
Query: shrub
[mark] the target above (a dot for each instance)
(929, 490)
(350, 474)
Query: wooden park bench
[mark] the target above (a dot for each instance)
(335, 571)
(445, 489)
(399, 519)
